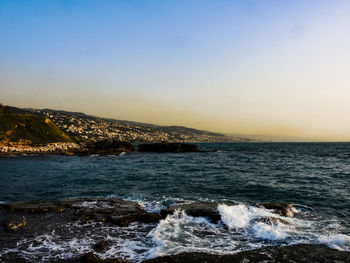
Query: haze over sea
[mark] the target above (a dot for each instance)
(314, 177)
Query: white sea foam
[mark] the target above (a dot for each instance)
(180, 232)
(235, 217)
(337, 241)
(271, 232)
(245, 219)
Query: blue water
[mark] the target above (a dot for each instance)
(315, 177)
(313, 174)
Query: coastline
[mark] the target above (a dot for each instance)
(102, 147)
(50, 148)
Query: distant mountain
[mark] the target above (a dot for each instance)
(272, 138)
(24, 128)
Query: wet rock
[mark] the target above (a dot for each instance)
(34, 207)
(195, 209)
(126, 220)
(116, 211)
(293, 253)
(282, 209)
(167, 147)
(101, 246)
(11, 226)
(93, 258)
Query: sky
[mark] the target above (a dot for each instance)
(264, 67)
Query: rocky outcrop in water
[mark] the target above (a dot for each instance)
(283, 209)
(293, 253)
(196, 209)
(106, 147)
(167, 147)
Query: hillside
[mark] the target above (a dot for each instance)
(81, 126)
(29, 129)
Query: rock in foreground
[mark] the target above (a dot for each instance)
(93, 258)
(294, 253)
(116, 211)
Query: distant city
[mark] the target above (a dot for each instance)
(80, 126)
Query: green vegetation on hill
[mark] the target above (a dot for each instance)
(29, 129)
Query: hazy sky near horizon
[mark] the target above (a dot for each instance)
(253, 67)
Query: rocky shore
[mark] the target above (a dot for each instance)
(102, 147)
(34, 219)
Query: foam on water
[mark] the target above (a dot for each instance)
(242, 218)
(151, 205)
(180, 232)
(338, 241)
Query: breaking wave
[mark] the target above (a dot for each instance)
(242, 227)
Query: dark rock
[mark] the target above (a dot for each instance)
(149, 218)
(195, 209)
(110, 146)
(293, 253)
(105, 147)
(282, 209)
(167, 147)
(101, 246)
(34, 207)
(93, 258)
(116, 211)
(11, 226)
(43, 217)
(126, 220)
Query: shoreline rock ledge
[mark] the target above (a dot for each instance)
(115, 211)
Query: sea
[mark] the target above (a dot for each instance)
(313, 177)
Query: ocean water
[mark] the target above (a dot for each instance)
(314, 177)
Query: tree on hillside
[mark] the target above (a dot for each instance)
(4, 109)
(7, 109)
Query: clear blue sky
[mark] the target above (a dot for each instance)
(270, 67)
